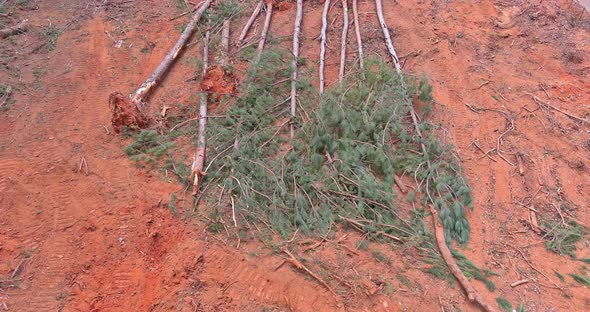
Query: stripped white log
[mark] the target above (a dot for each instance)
(296, 32)
(143, 91)
(343, 40)
(264, 30)
(199, 163)
(323, 38)
(357, 30)
(250, 21)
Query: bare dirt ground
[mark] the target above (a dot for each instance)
(86, 230)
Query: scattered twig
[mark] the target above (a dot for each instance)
(360, 227)
(534, 268)
(518, 283)
(296, 263)
(539, 102)
(83, 163)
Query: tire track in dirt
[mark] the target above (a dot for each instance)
(251, 281)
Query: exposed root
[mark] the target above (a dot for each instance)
(125, 114)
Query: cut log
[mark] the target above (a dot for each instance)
(323, 39)
(139, 96)
(16, 29)
(225, 43)
(343, 40)
(357, 30)
(265, 28)
(199, 163)
(296, 32)
(249, 23)
(472, 294)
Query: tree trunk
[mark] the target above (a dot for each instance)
(357, 30)
(198, 164)
(343, 40)
(16, 29)
(139, 96)
(323, 39)
(264, 30)
(472, 294)
(398, 68)
(296, 32)
(249, 23)
(225, 43)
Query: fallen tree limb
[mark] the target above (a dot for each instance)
(249, 23)
(343, 40)
(265, 28)
(323, 38)
(16, 29)
(139, 96)
(357, 30)
(198, 164)
(439, 234)
(296, 32)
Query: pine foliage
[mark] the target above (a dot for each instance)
(343, 160)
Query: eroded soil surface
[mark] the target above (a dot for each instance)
(83, 229)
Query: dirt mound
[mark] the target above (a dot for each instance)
(125, 113)
(219, 82)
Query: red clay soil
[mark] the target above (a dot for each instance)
(83, 229)
(125, 114)
(219, 82)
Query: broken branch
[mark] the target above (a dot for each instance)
(439, 232)
(343, 40)
(296, 32)
(198, 164)
(249, 23)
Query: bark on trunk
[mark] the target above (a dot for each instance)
(197, 168)
(296, 32)
(472, 294)
(343, 40)
(225, 43)
(264, 30)
(139, 96)
(16, 29)
(323, 39)
(249, 23)
(357, 30)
